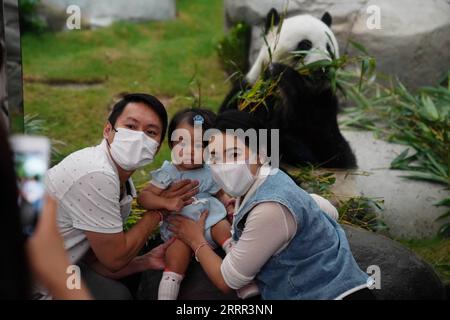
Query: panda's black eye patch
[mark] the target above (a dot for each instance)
(304, 45)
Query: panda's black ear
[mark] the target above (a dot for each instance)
(273, 19)
(326, 18)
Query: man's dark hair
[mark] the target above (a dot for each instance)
(187, 115)
(149, 100)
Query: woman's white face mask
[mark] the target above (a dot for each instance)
(132, 149)
(234, 178)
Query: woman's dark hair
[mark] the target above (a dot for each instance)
(149, 100)
(187, 116)
(14, 273)
(235, 120)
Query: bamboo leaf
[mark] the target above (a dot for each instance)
(400, 159)
(430, 109)
(444, 230)
(358, 46)
(445, 202)
(443, 216)
(425, 176)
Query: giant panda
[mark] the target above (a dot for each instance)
(305, 107)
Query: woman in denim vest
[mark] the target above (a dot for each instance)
(282, 239)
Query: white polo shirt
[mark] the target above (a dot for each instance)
(87, 187)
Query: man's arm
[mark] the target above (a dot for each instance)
(116, 250)
(174, 198)
(151, 199)
(153, 260)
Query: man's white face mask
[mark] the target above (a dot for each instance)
(132, 149)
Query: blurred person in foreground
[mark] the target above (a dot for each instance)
(42, 256)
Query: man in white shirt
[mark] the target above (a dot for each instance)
(94, 189)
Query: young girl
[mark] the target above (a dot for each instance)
(187, 164)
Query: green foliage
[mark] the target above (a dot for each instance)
(362, 211)
(314, 181)
(34, 125)
(29, 20)
(233, 49)
(257, 95)
(436, 251)
(358, 211)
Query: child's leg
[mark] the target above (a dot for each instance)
(221, 234)
(178, 256)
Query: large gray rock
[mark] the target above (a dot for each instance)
(403, 275)
(413, 42)
(101, 13)
(409, 205)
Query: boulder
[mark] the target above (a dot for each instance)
(403, 275)
(101, 13)
(413, 41)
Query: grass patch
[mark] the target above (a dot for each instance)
(160, 58)
(436, 251)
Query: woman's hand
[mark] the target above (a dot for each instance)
(187, 230)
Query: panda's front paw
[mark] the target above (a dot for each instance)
(278, 71)
(275, 70)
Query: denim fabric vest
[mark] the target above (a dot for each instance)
(317, 263)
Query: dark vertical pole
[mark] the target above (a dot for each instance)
(4, 120)
(14, 84)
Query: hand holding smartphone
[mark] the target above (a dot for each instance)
(31, 158)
